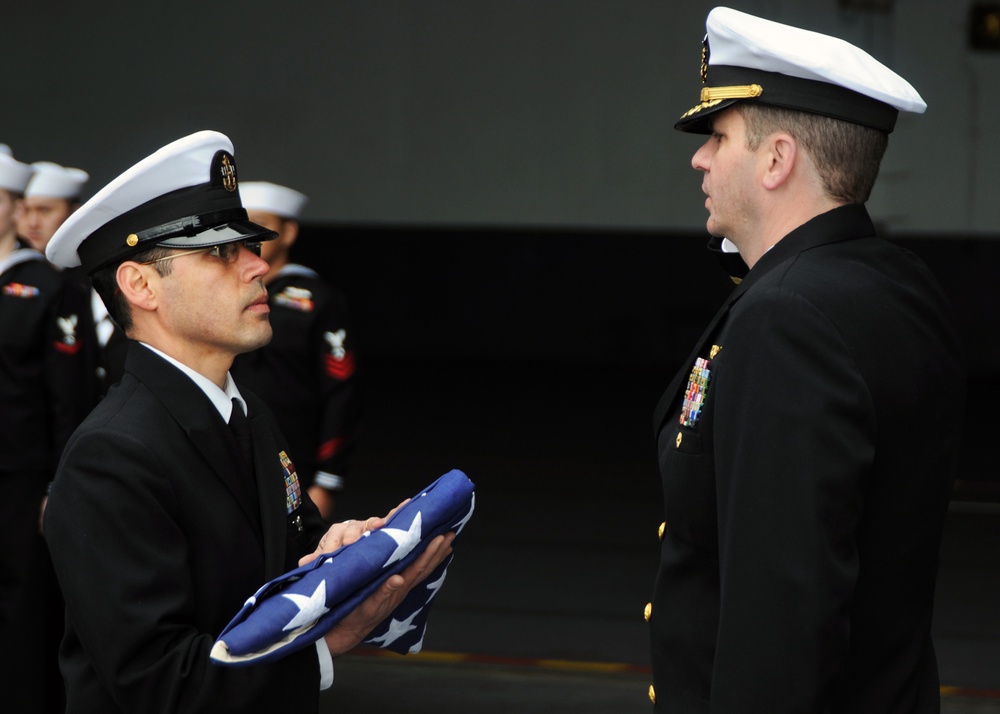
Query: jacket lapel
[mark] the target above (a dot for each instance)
(198, 417)
(842, 223)
(273, 515)
(671, 394)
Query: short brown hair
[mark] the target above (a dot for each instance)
(847, 155)
(105, 282)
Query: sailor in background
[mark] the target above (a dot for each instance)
(42, 369)
(50, 197)
(307, 374)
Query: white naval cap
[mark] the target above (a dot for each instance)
(272, 198)
(54, 181)
(748, 58)
(4, 149)
(14, 175)
(186, 195)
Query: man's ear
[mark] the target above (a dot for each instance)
(134, 285)
(781, 154)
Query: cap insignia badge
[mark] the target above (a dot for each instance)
(228, 174)
(704, 60)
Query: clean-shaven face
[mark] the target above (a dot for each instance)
(210, 306)
(8, 211)
(729, 174)
(40, 217)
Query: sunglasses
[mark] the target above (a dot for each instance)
(226, 252)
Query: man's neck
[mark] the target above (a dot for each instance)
(221, 395)
(213, 366)
(779, 223)
(7, 242)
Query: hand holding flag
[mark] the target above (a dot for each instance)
(389, 575)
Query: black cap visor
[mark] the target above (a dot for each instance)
(210, 215)
(222, 233)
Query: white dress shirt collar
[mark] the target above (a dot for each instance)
(221, 398)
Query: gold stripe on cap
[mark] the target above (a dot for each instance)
(742, 91)
(695, 110)
(710, 96)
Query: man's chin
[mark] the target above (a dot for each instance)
(260, 340)
(715, 228)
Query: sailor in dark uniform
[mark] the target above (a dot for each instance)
(52, 194)
(43, 353)
(178, 495)
(307, 374)
(50, 197)
(808, 446)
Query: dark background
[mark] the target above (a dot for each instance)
(591, 302)
(532, 360)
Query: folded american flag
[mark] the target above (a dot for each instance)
(297, 608)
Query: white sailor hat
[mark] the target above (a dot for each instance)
(747, 58)
(272, 198)
(186, 195)
(54, 181)
(14, 175)
(4, 149)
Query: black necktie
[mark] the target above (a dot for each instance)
(240, 425)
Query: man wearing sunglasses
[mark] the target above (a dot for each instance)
(178, 497)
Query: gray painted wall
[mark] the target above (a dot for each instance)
(471, 112)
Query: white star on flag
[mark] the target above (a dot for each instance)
(396, 630)
(461, 524)
(310, 608)
(436, 585)
(419, 645)
(314, 598)
(406, 540)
